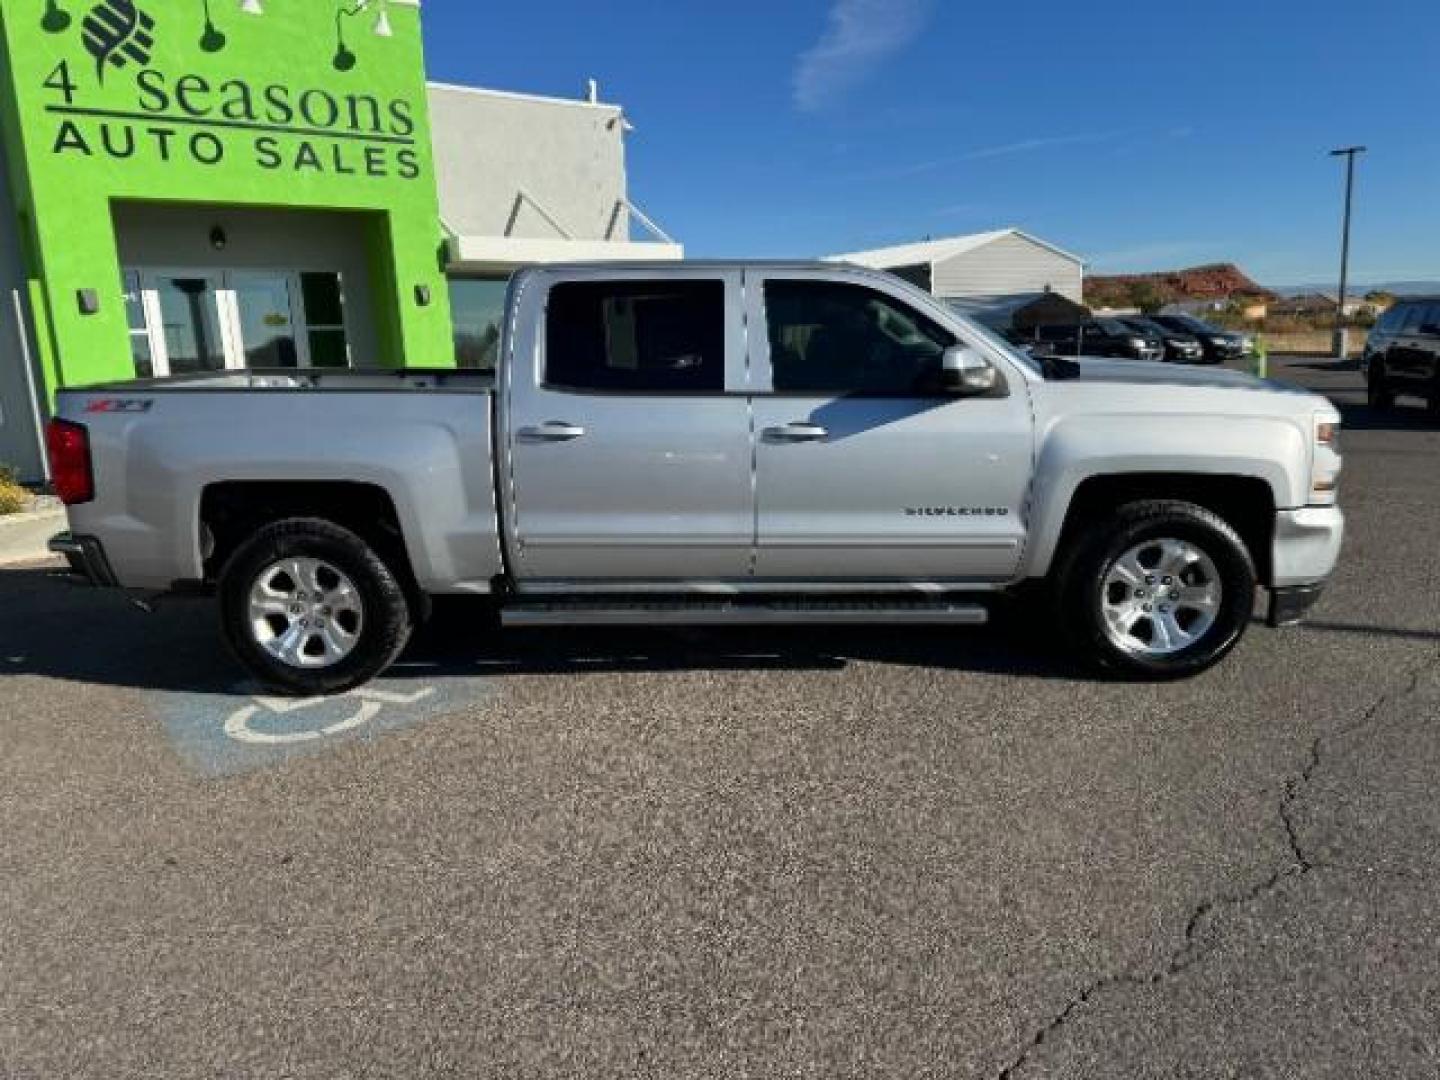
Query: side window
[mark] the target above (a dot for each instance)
(827, 337)
(1430, 320)
(641, 336)
(1390, 321)
(1414, 316)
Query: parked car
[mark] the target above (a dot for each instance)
(1220, 345)
(1402, 353)
(640, 457)
(1180, 347)
(1100, 337)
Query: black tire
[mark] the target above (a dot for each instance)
(382, 633)
(1378, 392)
(1082, 585)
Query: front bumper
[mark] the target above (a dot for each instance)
(1307, 546)
(86, 556)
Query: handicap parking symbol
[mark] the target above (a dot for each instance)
(242, 729)
(245, 724)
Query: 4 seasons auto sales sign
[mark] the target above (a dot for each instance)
(110, 97)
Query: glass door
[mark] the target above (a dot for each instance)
(266, 318)
(187, 332)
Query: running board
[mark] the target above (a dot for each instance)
(756, 613)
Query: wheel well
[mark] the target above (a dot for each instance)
(233, 511)
(1246, 502)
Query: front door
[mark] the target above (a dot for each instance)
(189, 332)
(629, 433)
(268, 319)
(865, 467)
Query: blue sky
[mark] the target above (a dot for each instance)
(1138, 135)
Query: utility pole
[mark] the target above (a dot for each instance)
(1349, 153)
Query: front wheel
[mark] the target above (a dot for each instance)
(1162, 590)
(309, 608)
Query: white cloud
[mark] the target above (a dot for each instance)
(859, 36)
(1025, 146)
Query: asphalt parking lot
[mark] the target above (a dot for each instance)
(789, 854)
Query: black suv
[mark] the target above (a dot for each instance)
(1180, 348)
(1402, 354)
(1097, 337)
(1219, 345)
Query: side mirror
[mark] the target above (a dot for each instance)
(966, 372)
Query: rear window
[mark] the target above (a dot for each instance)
(637, 336)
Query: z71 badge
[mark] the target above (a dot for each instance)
(120, 405)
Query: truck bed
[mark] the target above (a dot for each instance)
(419, 442)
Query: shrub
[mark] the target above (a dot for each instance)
(13, 497)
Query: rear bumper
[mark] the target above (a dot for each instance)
(1307, 546)
(86, 556)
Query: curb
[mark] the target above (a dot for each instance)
(23, 537)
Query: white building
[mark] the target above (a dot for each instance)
(528, 179)
(1000, 270)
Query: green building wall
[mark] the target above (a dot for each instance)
(303, 107)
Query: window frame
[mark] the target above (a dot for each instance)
(759, 317)
(735, 367)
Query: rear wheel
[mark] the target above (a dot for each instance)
(1163, 590)
(309, 608)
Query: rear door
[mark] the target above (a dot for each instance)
(628, 431)
(866, 471)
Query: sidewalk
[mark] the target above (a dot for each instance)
(23, 536)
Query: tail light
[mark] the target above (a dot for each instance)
(70, 470)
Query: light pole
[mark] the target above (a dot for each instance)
(1349, 153)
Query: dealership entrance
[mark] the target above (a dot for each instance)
(214, 288)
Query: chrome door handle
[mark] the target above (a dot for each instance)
(552, 431)
(799, 431)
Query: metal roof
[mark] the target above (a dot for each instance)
(933, 251)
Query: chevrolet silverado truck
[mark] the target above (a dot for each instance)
(704, 444)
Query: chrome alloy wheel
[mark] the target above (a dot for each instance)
(1160, 597)
(305, 613)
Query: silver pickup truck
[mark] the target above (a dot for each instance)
(711, 443)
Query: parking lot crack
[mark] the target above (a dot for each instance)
(1199, 941)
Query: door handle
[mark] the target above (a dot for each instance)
(552, 431)
(799, 431)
